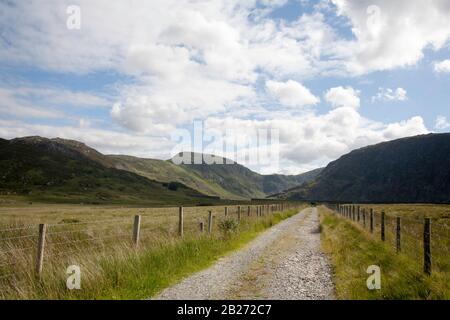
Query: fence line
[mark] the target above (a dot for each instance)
(399, 226)
(47, 239)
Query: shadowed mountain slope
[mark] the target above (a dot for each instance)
(414, 169)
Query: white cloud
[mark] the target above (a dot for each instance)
(291, 93)
(442, 66)
(190, 60)
(193, 57)
(12, 105)
(59, 96)
(312, 140)
(388, 94)
(442, 123)
(392, 34)
(343, 97)
(413, 126)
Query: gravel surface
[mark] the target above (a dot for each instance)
(284, 262)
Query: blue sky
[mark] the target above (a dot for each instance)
(329, 76)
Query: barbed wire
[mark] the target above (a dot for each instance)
(87, 230)
(53, 225)
(90, 239)
(19, 228)
(17, 249)
(18, 237)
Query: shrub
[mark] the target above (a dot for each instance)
(228, 227)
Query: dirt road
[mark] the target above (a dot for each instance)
(284, 262)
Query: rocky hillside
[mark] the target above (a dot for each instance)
(414, 169)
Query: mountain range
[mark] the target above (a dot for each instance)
(70, 171)
(414, 169)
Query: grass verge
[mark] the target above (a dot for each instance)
(352, 251)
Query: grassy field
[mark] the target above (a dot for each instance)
(98, 239)
(353, 249)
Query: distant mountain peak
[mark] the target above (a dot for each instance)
(66, 146)
(192, 158)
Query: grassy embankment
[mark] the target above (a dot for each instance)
(353, 249)
(111, 267)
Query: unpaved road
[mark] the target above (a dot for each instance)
(284, 262)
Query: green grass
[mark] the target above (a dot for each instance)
(353, 250)
(125, 273)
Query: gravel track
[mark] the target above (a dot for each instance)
(284, 262)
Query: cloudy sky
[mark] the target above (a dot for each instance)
(330, 76)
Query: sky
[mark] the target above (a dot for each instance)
(135, 77)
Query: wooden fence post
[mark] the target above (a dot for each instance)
(136, 229)
(181, 222)
(40, 250)
(383, 226)
(353, 212)
(239, 213)
(364, 218)
(371, 220)
(202, 226)
(226, 211)
(248, 211)
(210, 222)
(427, 246)
(358, 210)
(398, 235)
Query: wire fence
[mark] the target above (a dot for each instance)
(28, 251)
(425, 240)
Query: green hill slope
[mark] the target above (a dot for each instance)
(228, 181)
(68, 171)
(166, 171)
